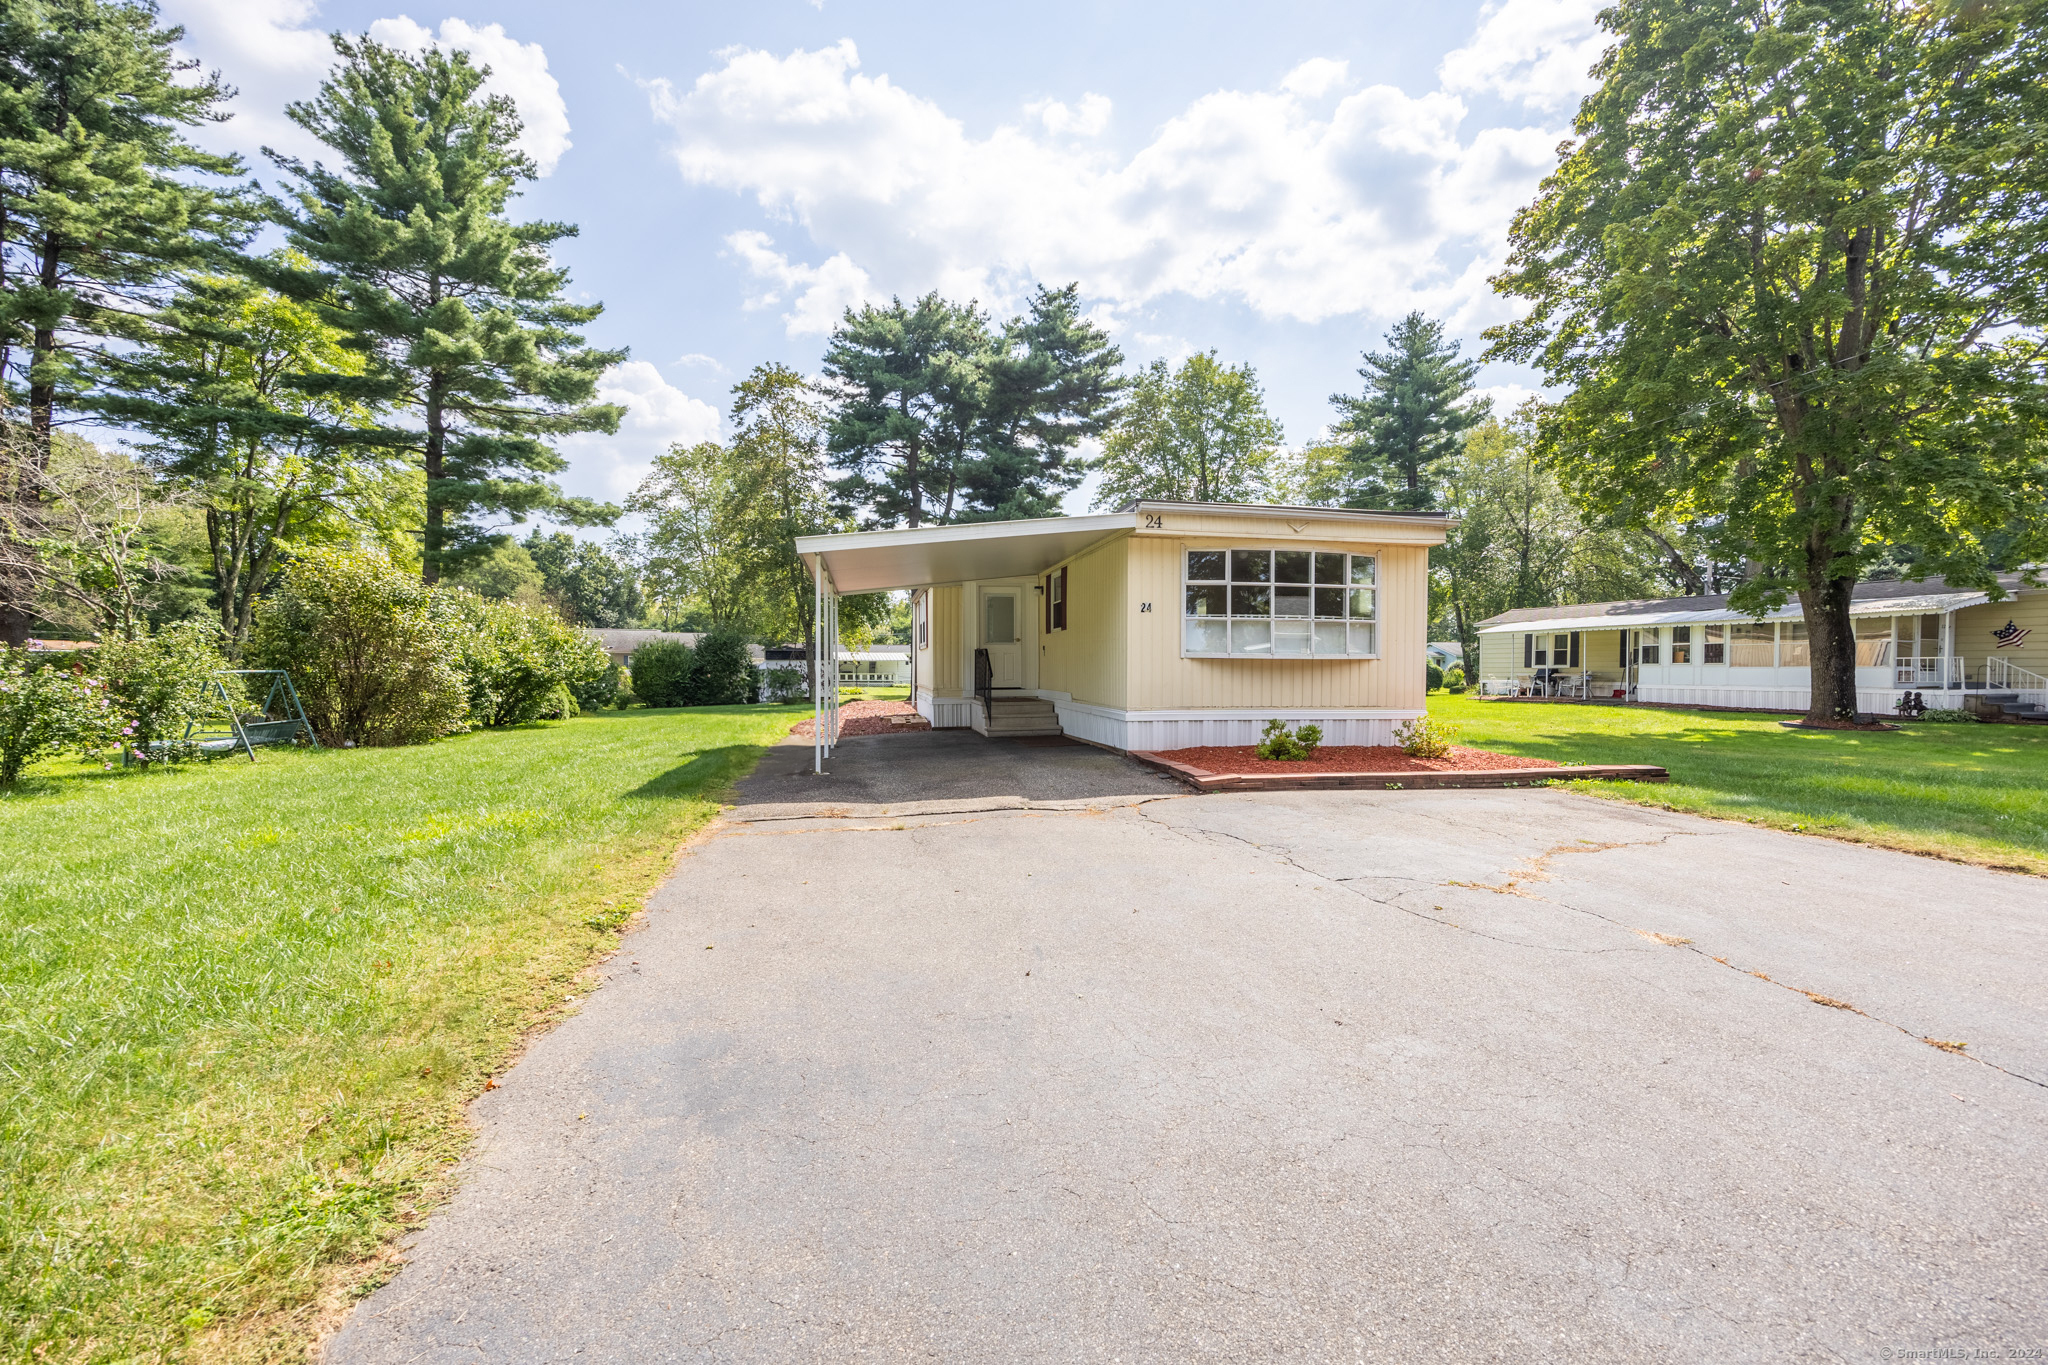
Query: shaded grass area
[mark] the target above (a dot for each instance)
(1978, 793)
(242, 1006)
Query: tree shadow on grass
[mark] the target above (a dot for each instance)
(707, 773)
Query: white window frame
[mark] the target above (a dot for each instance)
(1227, 582)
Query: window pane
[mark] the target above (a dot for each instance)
(1291, 638)
(999, 626)
(1290, 601)
(1364, 569)
(1207, 636)
(1206, 601)
(1873, 641)
(1751, 645)
(1251, 637)
(1330, 637)
(1364, 639)
(1251, 601)
(1290, 566)
(1792, 651)
(1330, 601)
(1251, 566)
(1206, 565)
(1329, 568)
(1361, 604)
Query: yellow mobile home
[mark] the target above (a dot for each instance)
(1164, 625)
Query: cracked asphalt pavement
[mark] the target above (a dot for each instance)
(1069, 1066)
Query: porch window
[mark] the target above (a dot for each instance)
(1792, 646)
(1752, 644)
(1873, 641)
(1648, 649)
(1280, 604)
(1714, 649)
(1056, 600)
(1681, 644)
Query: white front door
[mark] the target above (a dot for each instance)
(1002, 635)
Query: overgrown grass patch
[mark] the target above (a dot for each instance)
(1976, 793)
(244, 1005)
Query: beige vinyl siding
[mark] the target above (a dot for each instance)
(1161, 679)
(1088, 660)
(2029, 608)
(1500, 655)
(944, 655)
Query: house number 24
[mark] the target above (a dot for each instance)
(1144, 606)
(1153, 523)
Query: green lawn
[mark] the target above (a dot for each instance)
(244, 1005)
(1978, 793)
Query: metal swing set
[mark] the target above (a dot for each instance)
(231, 729)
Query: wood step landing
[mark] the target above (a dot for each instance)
(1016, 718)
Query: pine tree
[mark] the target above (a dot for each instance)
(458, 309)
(1054, 381)
(102, 201)
(1415, 411)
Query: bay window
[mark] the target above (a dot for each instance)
(1266, 604)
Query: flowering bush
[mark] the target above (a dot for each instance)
(161, 683)
(45, 709)
(1425, 737)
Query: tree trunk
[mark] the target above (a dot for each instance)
(1831, 646)
(437, 446)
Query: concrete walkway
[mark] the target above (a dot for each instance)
(1484, 1075)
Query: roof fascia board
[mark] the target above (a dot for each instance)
(974, 530)
(1884, 606)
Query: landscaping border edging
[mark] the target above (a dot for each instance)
(1204, 780)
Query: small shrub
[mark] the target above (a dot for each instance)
(360, 639)
(1425, 737)
(1943, 715)
(1454, 678)
(721, 670)
(45, 709)
(1289, 746)
(785, 684)
(163, 685)
(661, 672)
(1436, 678)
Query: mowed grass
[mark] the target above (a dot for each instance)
(244, 1005)
(1977, 793)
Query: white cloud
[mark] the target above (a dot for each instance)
(1507, 397)
(658, 415)
(699, 358)
(1534, 51)
(518, 70)
(1084, 119)
(1307, 201)
(822, 293)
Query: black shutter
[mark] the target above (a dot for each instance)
(1624, 649)
(1575, 649)
(1528, 651)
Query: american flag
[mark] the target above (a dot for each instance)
(2010, 636)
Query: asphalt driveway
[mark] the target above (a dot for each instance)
(1081, 1068)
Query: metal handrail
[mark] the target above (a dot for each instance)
(985, 682)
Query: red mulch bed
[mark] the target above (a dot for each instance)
(872, 718)
(1348, 758)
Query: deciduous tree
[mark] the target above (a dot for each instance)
(1197, 434)
(1792, 273)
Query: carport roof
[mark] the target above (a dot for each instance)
(930, 556)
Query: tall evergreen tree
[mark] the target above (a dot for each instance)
(1415, 411)
(459, 310)
(911, 381)
(102, 201)
(1054, 381)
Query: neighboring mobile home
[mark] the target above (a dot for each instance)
(1926, 637)
(1161, 626)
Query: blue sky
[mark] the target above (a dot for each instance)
(1278, 183)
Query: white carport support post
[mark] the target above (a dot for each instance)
(824, 667)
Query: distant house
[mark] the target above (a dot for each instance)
(1925, 637)
(1444, 653)
(620, 644)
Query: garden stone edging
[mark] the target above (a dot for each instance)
(1204, 780)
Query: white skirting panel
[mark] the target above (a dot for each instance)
(1153, 731)
(945, 713)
